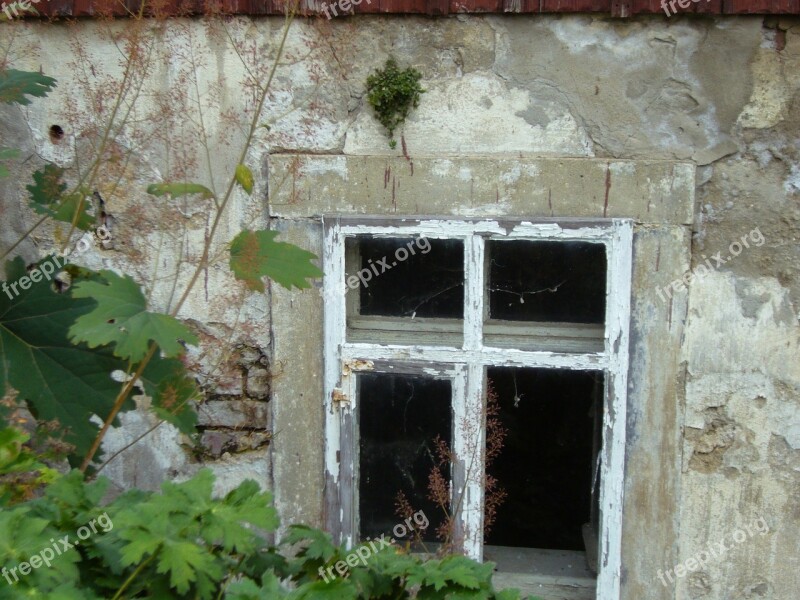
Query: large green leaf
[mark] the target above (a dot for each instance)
(15, 86)
(47, 198)
(71, 382)
(255, 254)
(121, 317)
(58, 379)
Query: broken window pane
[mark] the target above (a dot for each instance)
(547, 281)
(400, 417)
(546, 462)
(406, 277)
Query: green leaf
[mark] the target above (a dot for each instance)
(47, 188)
(47, 199)
(7, 154)
(318, 544)
(58, 379)
(11, 441)
(178, 189)
(464, 572)
(182, 560)
(255, 254)
(247, 589)
(23, 535)
(244, 177)
(166, 381)
(16, 85)
(338, 589)
(121, 317)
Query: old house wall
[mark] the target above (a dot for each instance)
(714, 410)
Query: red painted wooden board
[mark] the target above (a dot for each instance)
(760, 6)
(576, 6)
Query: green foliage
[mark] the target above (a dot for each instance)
(182, 543)
(244, 177)
(7, 154)
(47, 198)
(121, 318)
(21, 472)
(66, 381)
(176, 190)
(255, 254)
(15, 86)
(392, 93)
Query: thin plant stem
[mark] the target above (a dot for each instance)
(126, 390)
(132, 577)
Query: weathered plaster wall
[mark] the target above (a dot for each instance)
(722, 93)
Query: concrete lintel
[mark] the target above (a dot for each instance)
(649, 191)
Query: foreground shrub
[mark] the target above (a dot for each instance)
(182, 543)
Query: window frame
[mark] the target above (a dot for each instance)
(467, 367)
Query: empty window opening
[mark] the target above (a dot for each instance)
(547, 462)
(400, 417)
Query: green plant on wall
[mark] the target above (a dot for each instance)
(392, 93)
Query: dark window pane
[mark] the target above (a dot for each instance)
(399, 418)
(547, 281)
(409, 277)
(546, 462)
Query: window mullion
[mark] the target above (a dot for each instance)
(474, 294)
(468, 408)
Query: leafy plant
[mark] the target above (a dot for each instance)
(60, 379)
(94, 344)
(392, 93)
(184, 543)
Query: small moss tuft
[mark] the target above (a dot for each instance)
(392, 93)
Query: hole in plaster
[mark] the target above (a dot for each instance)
(56, 133)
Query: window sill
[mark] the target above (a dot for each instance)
(548, 574)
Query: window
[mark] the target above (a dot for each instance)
(422, 318)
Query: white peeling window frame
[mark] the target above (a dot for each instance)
(466, 367)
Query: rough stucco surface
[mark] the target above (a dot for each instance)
(722, 93)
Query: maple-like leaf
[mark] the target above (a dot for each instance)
(317, 543)
(16, 85)
(121, 317)
(256, 254)
(47, 198)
